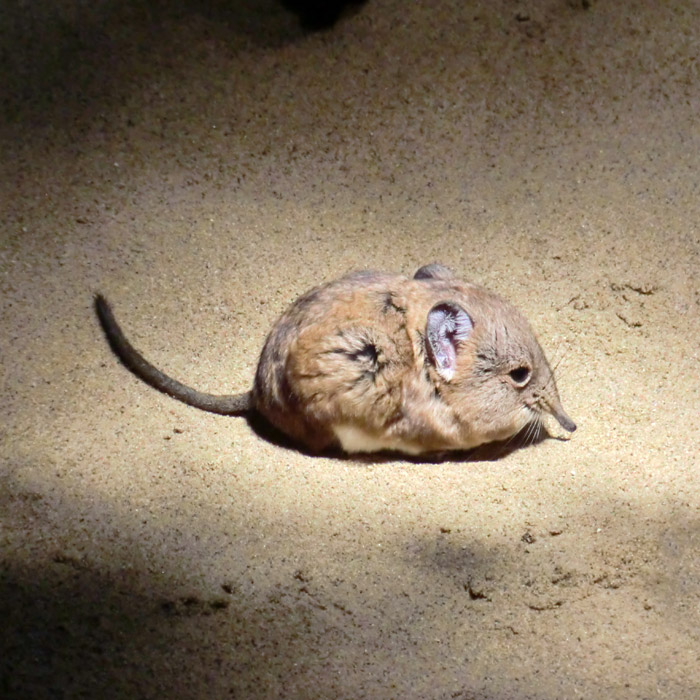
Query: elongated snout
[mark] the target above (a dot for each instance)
(560, 414)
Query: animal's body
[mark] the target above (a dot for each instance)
(376, 361)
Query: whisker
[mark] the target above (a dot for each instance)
(551, 379)
(540, 427)
(511, 438)
(532, 432)
(559, 355)
(557, 363)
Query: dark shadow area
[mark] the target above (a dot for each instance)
(71, 629)
(57, 65)
(316, 14)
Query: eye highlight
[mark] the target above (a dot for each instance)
(520, 376)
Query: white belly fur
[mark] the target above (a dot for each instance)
(354, 439)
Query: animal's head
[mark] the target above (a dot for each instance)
(488, 367)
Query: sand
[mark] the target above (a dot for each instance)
(202, 164)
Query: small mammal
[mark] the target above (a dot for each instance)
(376, 361)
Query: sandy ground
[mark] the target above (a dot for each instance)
(203, 163)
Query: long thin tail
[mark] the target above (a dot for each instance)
(230, 405)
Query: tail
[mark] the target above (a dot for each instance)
(229, 405)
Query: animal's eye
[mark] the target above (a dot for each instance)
(520, 375)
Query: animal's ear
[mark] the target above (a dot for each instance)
(434, 271)
(448, 325)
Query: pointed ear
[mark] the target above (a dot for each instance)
(434, 271)
(448, 324)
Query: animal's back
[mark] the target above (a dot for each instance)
(336, 357)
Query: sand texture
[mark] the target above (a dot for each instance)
(202, 164)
